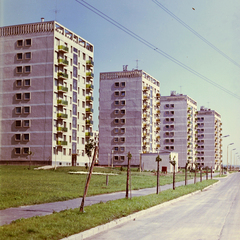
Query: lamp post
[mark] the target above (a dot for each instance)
(231, 158)
(227, 153)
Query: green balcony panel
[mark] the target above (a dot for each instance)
(61, 143)
(90, 62)
(89, 122)
(89, 98)
(89, 110)
(62, 129)
(62, 75)
(62, 115)
(88, 134)
(63, 48)
(62, 102)
(62, 61)
(62, 89)
(89, 86)
(89, 74)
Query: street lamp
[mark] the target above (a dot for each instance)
(227, 153)
(231, 159)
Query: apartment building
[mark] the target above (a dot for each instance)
(209, 138)
(178, 126)
(46, 94)
(129, 116)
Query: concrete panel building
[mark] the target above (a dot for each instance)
(46, 94)
(178, 126)
(129, 116)
(209, 134)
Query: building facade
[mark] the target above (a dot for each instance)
(178, 127)
(209, 153)
(129, 116)
(46, 94)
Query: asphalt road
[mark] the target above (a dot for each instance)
(211, 214)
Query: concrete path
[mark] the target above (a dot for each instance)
(11, 214)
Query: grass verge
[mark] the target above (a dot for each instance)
(21, 186)
(69, 222)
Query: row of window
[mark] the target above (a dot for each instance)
(121, 84)
(122, 102)
(119, 130)
(23, 137)
(116, 139)
(169, 105)
(169, 126)
(22, 123)
(119, 158)
(169, 147)
(119, 111)
(121, 121)
(19, 151)
(26, 56)
(25, 83)
(169, 112)
(23, 96)
(24, 110)
(121, 149)
(64, 151)
(119, 94)
(26, 43)
(169, 119)
(170, 134)
(23, 69)
(169, 140)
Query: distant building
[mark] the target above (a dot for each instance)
(46, 94)
(178, 127)
(129, 116)
(209, 152)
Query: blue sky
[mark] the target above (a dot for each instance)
(216, 20)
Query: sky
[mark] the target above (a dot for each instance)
(217, 21)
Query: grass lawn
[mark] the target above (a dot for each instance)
(68, 222)
(21, 186)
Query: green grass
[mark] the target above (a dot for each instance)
(21, 186)
(68, 222)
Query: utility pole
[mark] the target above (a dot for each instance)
(128, 170)
(158, 159)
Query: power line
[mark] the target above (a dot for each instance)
(153, 47)
(196, 33)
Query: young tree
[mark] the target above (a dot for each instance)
(89, 146)
(173, 162)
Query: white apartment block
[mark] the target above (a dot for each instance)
(178, 126)
(209, 153)
(46, 94)
(129, 116)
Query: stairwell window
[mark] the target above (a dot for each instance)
(19, 69)
(17, 151)
(18, 137)
(26, 150)
(28, 55)
(18, 96)
(19, 43)
(18, 110)
(26, 123)
(18, 123)
(28, 42)
(27, 82)
(26, 137)
(26, 110)
(27, 96)
(19, 56)
(27, 69)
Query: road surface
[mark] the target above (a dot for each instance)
(211, 214)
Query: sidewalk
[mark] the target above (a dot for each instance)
(11, 214)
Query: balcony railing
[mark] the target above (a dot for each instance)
(89, 122)
(62, 129)
(88, 134)
(62, 102)
(62, 89)
(89, 98)
(62, 115)
(89, 74)
(89, 110)
(62, 75)
(89, 86)
(90, 63)
(62, 48)
(62, 61)
(61, 143)
(158, 103)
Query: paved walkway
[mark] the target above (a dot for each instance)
(11, 214)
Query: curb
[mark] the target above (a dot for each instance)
(114, 223)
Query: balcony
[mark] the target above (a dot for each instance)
(145, 97)
(62, 102)
(89, 98)
(62, 75)
(89, 74)
(158, 145)
(158, 119)
(62, 115)
(62, 89)
(158, 103)
(158, 95)
(89, 86)
(145, 88)
(62, 48)
(158, 112)
(144, 115)
(90, 63)
(88, 134)
(89, 122)
(158, 128)
(89, 110)
(61, 143)
(62, 62)
(62, 129)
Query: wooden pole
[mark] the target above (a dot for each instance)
(200, 174)
(128, 169)
(186, 174)
(206, 173)
(157, 176)
(195, 175)
(88, 179)
(174, 177)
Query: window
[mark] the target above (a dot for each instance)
(19, 69)
(115, 149)
(115, 130)
(116, 93)
(83, 141)
(70, 139)
(166, 126)
(18, 96)
(26, 110)
(122, 158)
(83, 92)
(167, 119)
(116, 111)
(115, 158)
(26, 150)
(17, 151)
(27, 69)
(17, 137)
(122, 84)
(122, 139)
(83, 153)
(26, 96)
(122, 121)
(172, 105)
(166, 133)
(18, 123)
(28, 42)
(26, 137)
(172, 112)
(172, 140)
(18, 110)
(172, 126)
(123, 94)
(115, 140)
(167, 105)
(26, 123)
(122, 111)
(172, 119)
(19, 56)
(19, 43)
(64, 151)
(18, 83)
(116, 102)
(83, 104)
(116, 121)
(70, 151)
(116, 84)
(84, 56)
(123, 102)
(27, 82)
(122, 130)
(122, 149)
